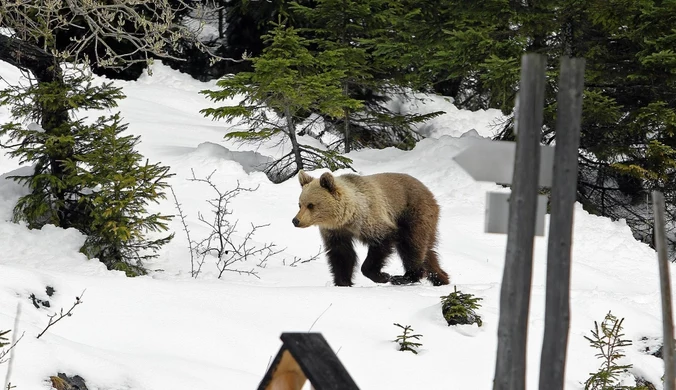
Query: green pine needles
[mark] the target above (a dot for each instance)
(3, 339)
(460, 309)
(609, 342)
(86, 174)
(287, 84)
(404, 340)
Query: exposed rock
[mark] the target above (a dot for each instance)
(63, 382)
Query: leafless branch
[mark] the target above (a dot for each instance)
(61, 315)
(299, 260)
(6, 352)
(222, 242)
(10, 350)
(193, 272)
(146, 28)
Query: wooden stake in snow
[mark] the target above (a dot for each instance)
(510, 370)
(665, 288)
(564, 193)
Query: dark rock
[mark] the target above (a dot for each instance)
(63, 382)
(37, 301)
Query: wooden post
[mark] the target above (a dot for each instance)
(665, 288)
(564, 193)
(510, 370)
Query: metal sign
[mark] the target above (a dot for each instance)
(494, 161)
(497, 213)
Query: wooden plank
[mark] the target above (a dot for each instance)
(318, 361)
(665, 288)
(283, 373)
(564, 194)
(510, 369)
(287, 375)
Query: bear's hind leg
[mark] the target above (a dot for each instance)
(342, 256)
(417, 233)
(375, 260)
(435, 274)
(411, 257)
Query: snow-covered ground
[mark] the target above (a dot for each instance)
(167, 330)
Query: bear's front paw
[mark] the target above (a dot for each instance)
(342, 283)
(401, 279)
(380, 277)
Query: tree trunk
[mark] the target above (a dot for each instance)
(291, 129)
(346, 91)
(54, 117)
(221, 15)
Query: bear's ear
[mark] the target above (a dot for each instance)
(327, 181)
(304, 178)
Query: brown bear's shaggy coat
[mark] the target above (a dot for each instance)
(384, 211)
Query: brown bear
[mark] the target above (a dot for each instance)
(383, 211)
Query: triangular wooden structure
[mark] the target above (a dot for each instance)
(306, 356)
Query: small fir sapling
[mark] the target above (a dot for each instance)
(404, 339)
(460, 309)
(609, 342)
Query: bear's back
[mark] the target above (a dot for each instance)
(400, 191)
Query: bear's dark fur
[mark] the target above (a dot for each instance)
(385, 211)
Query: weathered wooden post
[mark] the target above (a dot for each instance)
(563, 196)
(510, 370)
(665, 288)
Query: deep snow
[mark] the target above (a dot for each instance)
(167, 330)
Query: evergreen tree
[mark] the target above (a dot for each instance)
(74, 182)
(287, 84)
(246, 23)
(472, 52)
(102, 190)
(354, 34)
(121, 187)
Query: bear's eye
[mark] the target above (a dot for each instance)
(310, 206)
(299, 205)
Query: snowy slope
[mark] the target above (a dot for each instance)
(169, 331)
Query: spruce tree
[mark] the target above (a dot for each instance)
(471, 51)
(74, 184)
(358, 36)
(288, 82)
(102, 188)
(122, 186)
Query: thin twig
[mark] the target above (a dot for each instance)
(187, 233)
(52, 321)
(320, 316)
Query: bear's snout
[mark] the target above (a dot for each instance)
(295, 222)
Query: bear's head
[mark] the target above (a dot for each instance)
(320, 202)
